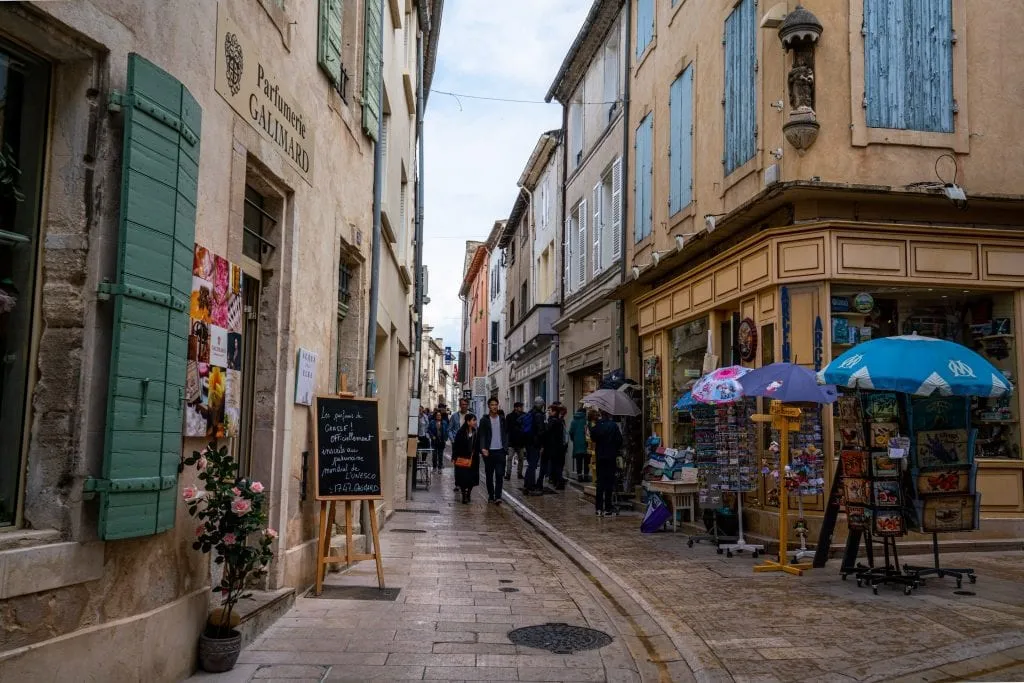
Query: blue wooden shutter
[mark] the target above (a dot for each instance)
(680, 149)
(644, 25)
(159, 177)
(328, 49)
(642, 180)
(908, 64)
(740, 80)
(373, 51)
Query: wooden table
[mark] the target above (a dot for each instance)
(681, 496)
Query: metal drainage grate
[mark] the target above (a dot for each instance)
(507, 589)
(560, 639)
(357, 593)
(407, 531)
(504, 580)
(424, 512)
(964, 593)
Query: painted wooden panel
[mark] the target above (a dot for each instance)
(663, 309)
(648, 342)
(1000, 263)
(908, 64)
(767, 303)
(871, 257)
(748, 308)
(703, 291)
(647, 316)
(1002, 490)
(754, 269)
(727, 282)
(936, 259)
(681, 301)
(680, 148)
(740, 85)
(800, 258)
(803, 308)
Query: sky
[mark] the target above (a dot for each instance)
(475, 150)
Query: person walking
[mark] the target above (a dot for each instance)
(607, 444)
(493, 449)
(516, 441)
(553, 448)
(466, 456)
(437, 432)
(456, 420)
(578, 437)
(534, 437)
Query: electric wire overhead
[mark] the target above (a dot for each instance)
(459, 95)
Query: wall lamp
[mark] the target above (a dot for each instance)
(711, 221)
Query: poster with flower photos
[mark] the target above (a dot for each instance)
(213, 383)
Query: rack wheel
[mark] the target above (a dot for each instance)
(719, 551)
(844, 577)
(859, 583)
(728, 553)
(754, 554)
(907, 590)
(689, 544)
(874, 589)
(972, 578)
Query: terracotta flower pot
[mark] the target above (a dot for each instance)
(217, 655)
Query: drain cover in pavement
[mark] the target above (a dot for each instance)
(561, 639)
(508, 589)
(424, 512)
(407, 531)
(357, 593)
(504, 580)
(964, 593)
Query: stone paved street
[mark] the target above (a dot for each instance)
(728, 621)
(455, 608)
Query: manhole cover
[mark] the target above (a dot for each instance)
(356, 593)
(504, 580)
(407, 531)
(507, 589)
(560, 639)
(964, 593)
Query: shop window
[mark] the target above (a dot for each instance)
(257, 222)
(688, 343)
(24, 93)
(767, 344)
(982, 321)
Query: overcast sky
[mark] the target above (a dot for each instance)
(476, 149)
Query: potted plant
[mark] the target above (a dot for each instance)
(232, 514)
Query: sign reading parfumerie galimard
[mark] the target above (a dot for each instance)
(347, 449)
(258, 95)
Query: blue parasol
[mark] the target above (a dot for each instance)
(788, 383)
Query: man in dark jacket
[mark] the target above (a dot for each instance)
(553, 447)
(533, 484)
(493, 445)
(516, 441)
(607, 443)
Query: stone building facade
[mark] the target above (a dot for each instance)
(141, 131)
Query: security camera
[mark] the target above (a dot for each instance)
(955, 194)
(656, 258)
(680, 242)
(636, 272)
(710, 223)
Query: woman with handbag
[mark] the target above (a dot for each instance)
(465, 457)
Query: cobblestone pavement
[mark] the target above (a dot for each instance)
(729, 622)
(473, 574)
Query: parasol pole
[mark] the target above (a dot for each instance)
(785, 419)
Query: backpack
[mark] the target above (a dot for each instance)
(526, 423)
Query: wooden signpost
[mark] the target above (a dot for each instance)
(347, 461)
(785, 419)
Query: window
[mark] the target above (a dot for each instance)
(257, 223)
(495, 329)
(610, 90)
(511, 313)
(576, 132)
(524, 301)
(908, 64)
(607, 226)
(680, 148)
(644, 25)
(740, 95)
(385, 130)
(24, 94)
(642, 216)
(576, 236)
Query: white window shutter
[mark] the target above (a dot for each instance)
(598, 227)
(581, 275)
(567, 253)
(616, 218)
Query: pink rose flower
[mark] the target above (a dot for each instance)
(190, 493)
(229, 539)
(271, 533)
(235, 490)
(256, 487)
(201, 464)
(200, 530)
(240, 506)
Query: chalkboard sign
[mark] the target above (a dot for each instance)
(347, 448)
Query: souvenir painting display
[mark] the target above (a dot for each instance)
(950, 513)
(942, 448)
(883, 466)
(724, 451)
(805, 475)
(213, 371)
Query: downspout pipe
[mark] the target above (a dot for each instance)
(378, 178)
(418, 251)
(624, 200)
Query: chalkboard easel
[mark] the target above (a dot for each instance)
(347, 456)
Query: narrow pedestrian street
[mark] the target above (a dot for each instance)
(463, 577)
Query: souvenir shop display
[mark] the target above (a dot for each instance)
(804, 474)
(705, 457)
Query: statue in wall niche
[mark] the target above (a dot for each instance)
(801, 81)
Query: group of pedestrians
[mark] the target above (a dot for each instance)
(539, 438)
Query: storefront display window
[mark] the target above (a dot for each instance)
(981, 320)
(24, 93)
(688, 343)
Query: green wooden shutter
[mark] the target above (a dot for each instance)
(160, 170)
(373, 51)
(328, 51)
